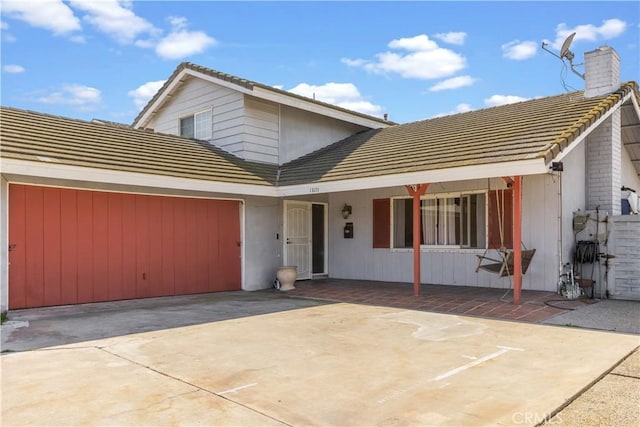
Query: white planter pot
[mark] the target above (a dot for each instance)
(287, 277)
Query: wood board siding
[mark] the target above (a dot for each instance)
(626, 264)
(262, 130)
(197, 95)
(303, 132)
(357, 259)
(80, 246)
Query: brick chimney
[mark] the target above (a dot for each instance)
(602, 71)
(604, 144)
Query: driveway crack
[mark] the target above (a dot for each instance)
(221, 396)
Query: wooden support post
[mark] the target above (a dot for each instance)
(517, 239)
(416, 191)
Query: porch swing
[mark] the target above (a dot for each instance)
(502, 264)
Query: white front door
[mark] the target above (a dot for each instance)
(297, 237)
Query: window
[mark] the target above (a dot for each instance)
(198, 126)
(444, 221)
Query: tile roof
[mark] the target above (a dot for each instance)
(28, 135)
(534, 129)
(247, 84)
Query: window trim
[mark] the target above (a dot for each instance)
(442, 248)
(193, 115)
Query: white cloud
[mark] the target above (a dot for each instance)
(4, 25)
(420, 58)
(143, 93)
(610, 28)
(453, 83)
(80, 96)
(519, 50)
(345, 95)
(460, 108)
(13, 69)
(177, 22)
(53, 15)
(496, 100)
(114, 18)
(452, 37)
(182, 43)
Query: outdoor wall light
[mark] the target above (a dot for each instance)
(346, 211)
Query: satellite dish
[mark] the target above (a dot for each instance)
(564, 51)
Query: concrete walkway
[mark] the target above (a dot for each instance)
(267, 359)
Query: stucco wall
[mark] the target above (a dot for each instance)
(262, 242)
(357, 259)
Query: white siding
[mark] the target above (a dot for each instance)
(303, 132)
(262, 130)
(356, 259)
(197, 95)
(573, 197)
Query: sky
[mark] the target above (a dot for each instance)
(411, 60)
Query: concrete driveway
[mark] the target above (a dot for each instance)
(297, 362)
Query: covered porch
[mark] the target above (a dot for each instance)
(493, 303)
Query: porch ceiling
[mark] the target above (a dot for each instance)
(630, 119)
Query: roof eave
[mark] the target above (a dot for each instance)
(114, 177)
(550, 156)
(534, 166)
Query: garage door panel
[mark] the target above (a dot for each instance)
(180, 245)
(143, 287)
(100, 253)
(85, 246)
(202, 247)
(114, 247)
(52, 248)
(154, 276)
(17, 242)
(68, 247)
(35, 246)
(191, 232)
(77, 246)
(168, 247)
(213, 251)
(129, 240)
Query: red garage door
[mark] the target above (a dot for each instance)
(77, 246)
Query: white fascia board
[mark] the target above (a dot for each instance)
(591, 128)
(261, 93)
(312, 107)
(144, 120)
(492, 170)
(105, 176)
(634, 101)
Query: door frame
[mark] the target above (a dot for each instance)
(325, 206)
